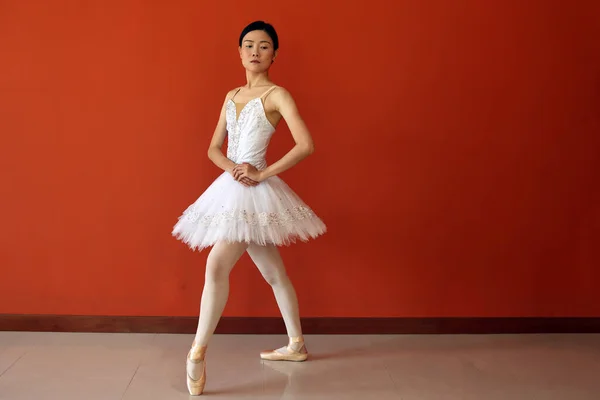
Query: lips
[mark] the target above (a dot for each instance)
(255, 62)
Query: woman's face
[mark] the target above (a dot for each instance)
(257, 51)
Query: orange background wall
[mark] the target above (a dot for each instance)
(457, 163)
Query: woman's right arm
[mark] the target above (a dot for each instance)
(216, 144)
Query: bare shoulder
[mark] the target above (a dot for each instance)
(282, 98)
(231, 93)
(281, 93)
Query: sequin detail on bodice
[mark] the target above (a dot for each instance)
(248, 134)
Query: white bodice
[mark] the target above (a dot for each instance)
(249, 134)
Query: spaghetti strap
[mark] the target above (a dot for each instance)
(265, 94)
(235, 94)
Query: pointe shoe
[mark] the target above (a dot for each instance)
(294, 351)
(196, 384)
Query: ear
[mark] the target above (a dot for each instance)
(275, 54)
(240, 51)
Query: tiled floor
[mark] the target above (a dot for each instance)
(84, 366)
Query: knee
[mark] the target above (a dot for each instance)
(216, 270)
(275, 277)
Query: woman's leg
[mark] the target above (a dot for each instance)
(269, 262)
(219, 264)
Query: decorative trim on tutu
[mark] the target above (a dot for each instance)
(281, 218)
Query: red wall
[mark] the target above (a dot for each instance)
(457, 163)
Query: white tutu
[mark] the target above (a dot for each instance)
(269, 213)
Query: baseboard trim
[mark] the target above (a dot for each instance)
(325, 325)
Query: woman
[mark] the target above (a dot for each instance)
(248, 208)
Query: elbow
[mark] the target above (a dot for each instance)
(309, 149)
(209, 153)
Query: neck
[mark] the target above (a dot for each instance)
(257, 79)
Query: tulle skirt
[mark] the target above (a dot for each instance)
(269, 213)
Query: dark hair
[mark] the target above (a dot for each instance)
(261, 26)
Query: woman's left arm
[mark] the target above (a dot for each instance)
(284, 103)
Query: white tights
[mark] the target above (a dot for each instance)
(219, 264)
